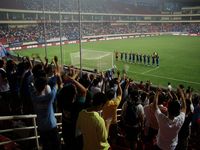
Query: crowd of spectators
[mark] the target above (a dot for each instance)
(89, 6)
(70, 31)
(88, 103)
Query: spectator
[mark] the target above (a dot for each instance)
(92, 126)
(184, 133)
(69, 104)
(170, 125)
(95, 88)
(4, 90)
(110, 111)
(133, 118)
(26, 79)
(43, 105)
(151, 124)
(169, 87)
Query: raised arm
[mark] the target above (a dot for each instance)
(183, 101)
(79, 86)
(119, 89)
(155, 102)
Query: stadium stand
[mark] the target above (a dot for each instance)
(19, 76)
(71, 31)
(94, 6)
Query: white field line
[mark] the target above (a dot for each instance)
(163, 77)
(149, 70)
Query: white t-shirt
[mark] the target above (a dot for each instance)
(4, 85)
(167, 137)
(139, 110)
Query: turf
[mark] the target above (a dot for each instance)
(179, 58)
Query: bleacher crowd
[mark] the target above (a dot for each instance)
(88, 6)
(70, 31)
(88, 103)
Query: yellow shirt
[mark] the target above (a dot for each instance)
(92, 127)
(110, 110)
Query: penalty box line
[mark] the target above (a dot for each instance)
(163, 77)
(149, 70)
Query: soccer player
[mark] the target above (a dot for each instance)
(144, 59)
(133, 57)
(126, 56)
(116, 55)
(153, 59)
(122, 53)
(157, 60)
(148, 60)
(137, 58)
(130, 59)
(140, 57)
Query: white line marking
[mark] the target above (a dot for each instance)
(163, 77)
(149, 70)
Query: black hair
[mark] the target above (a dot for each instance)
(134, 95)
(40, 83)
(174, 108)
(95, 82)
(1, 63)
(110, 94)
(66, 96)
(99, 99)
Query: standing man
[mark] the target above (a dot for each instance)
(169, 125)
(157, 60)
(148, 59)
(116, 55)
(126, 56)
(43, 100)
(137, 57)
(92, 126)
(122, 53)
(140, 56)
(130, 57)
(110, 111)
(144, 59)
(133, 57)
(153, 59)
(4, 90)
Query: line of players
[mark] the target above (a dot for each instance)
(138, 58)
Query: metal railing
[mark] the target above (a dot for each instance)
(33, 127)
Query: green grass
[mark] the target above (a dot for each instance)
(179, 58)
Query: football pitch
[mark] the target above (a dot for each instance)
(179, 58)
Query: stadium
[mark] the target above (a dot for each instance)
(97, 46)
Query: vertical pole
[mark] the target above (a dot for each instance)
(44, 26)
(61, 49)
(36, 133)
(80, 35)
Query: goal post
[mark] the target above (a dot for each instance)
(92, 59)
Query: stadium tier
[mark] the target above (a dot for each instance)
(99, 74)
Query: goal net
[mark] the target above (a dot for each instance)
(92, 59)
